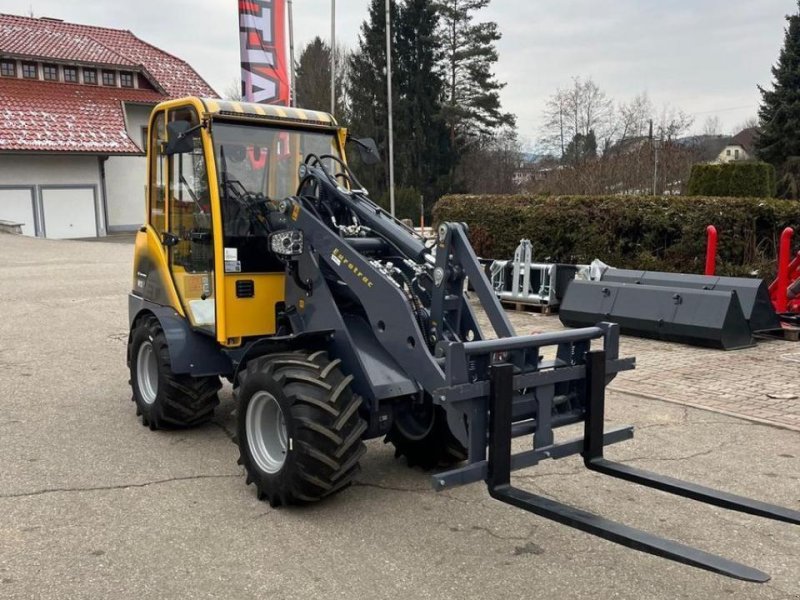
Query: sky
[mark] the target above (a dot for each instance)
(703, 56)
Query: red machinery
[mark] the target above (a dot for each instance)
(784, 292)
(711, 250)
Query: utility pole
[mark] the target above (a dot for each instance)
(333, 56)
(655, 143)
(389, 102)
(292, 94)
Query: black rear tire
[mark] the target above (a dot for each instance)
(322, 428)
(425, 439)
(172, 401)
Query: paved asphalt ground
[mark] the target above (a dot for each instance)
(93, 505)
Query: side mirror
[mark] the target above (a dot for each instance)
(368, 151)
(179, 138)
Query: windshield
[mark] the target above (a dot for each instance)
(257, 165)
(265, 160)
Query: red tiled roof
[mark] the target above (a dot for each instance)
(55, 40)
(40, 116)
(28, 38)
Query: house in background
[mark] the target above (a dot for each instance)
(741, 147)
(74, 107)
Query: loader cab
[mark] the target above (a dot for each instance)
(201, 252)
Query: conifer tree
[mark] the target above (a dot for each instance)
(472, 93)
(313, 79)
(779, 115)
(423, 152)
(367, 91)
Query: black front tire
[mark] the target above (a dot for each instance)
(323, 430)
(168, 401)
(425, 439)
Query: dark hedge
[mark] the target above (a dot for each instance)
(659, 233)
(736, 179)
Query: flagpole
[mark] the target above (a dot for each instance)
(333, 56)
(389, 102)
(292, 98)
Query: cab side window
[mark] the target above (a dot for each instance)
(191, 252)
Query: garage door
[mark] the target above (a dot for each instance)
(16, 205)
(69, 213)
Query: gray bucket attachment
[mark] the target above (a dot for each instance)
(691, 316)
(753, 293)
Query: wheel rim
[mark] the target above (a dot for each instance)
(147, 372)
(267, 437)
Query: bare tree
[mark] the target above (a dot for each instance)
(712, 126)
(640, 147)
(625, 172)
(556, 135)
(747, 124)
(233, 91)
(633, 117)
(673, 122)
(489, 167)
(596, 112)
(579, 109)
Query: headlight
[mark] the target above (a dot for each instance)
(287, 243)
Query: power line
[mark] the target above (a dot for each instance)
(719, 110)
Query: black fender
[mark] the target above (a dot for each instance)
(190, 352)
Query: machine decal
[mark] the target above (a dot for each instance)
(341, 260)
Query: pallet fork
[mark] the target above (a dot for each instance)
(500, 488)
(499, 389)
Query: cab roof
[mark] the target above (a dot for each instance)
(230, 108)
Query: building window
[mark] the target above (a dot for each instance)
(70, 74)
(728, 152)
(50, 72)
(109, 78)
(736, 154)
(126, 80)
(8, 68)
(90, 76)
(29, 71)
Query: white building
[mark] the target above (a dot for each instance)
(74, 106)
(740, 147)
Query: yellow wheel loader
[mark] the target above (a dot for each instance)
(263, 261)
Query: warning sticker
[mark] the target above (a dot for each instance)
(233, 266)
(231, 254)
(336, 259)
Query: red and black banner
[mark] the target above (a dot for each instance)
(262, 31)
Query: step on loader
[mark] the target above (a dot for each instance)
(263, 261)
